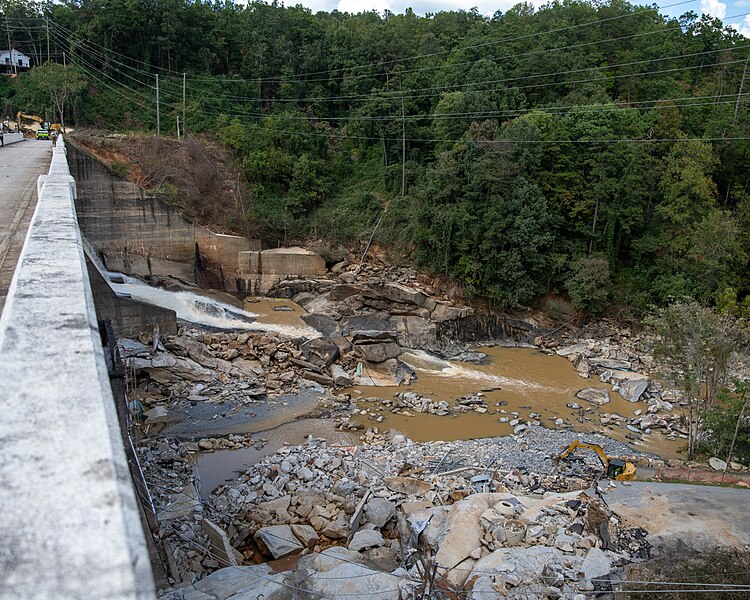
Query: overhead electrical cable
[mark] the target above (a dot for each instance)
(442, 89)
(504, 40)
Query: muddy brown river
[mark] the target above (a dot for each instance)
(515, 382)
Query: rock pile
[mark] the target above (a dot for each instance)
(617, 357)
(383, 509)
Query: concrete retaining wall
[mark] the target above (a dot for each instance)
(140, 235)
(262, 270)
(70, 525)
(11, 138)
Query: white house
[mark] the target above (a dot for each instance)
(11, 58)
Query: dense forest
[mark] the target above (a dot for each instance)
(599, 150)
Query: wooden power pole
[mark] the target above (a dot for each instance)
(158, 115)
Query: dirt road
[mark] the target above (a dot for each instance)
(20, 165)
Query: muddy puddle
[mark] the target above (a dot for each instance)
(215, 468)
(515, 383)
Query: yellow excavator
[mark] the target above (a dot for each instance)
(614, 468)
(42, 123)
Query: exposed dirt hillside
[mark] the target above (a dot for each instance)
(197, 176)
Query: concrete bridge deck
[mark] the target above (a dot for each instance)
(20, 166)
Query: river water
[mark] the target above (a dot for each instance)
(219, 310)
(515, 382)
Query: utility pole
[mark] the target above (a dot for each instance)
(10, 48)
(739, 94)
(183, 106)
(178, 128)
(158, 115)
(48, 58)
(403, 148)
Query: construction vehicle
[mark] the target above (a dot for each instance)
(614, 468)
(42, 123)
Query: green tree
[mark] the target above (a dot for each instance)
(589, 284)
(61, 84)
(694, 347)
(728, 425)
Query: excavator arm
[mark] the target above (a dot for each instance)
(21, 115)
(614, 468)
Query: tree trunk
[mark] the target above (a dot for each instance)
(736, 429)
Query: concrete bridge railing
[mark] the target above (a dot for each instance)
(69, 525)
(11, 138)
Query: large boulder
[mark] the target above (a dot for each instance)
(388, 373)
(415, 332)
(341, 377)
(581, 348)
(320, 351)
(322, 323)
(366, 538)
(378, 353)
(278, 540)
(245, 583)
(593, 395)
(447, 312)
(306, 534)
(464, 529)
(220, 546)
(630, 385)
(343, 291)
(611, 363)
(596, 564)
(405, 295)
(379, 511)
(348, 581)
(524, 563)
(371, 322)
(407, 485)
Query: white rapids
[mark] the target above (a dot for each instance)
(419, 360)
(200, 309)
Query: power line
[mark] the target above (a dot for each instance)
(503, 141)
(60, 39)
(492, 114)
(364, 98)
(504, 40)
(396, 94)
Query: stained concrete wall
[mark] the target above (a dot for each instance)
(69, 523)
(260, 271)
(128, 317)
(140, 235)
(11, 138)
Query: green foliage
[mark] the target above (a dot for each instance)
(121, 169)
(510, 175)
(589, 284)
(694, 347)
(728, 425)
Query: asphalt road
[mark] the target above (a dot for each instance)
(20, 165)
(700, 516)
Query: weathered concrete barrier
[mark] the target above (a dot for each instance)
(70, 524)
(260, 271)
(11, 138)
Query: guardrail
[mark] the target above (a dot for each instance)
(10, 138)
(69, 525)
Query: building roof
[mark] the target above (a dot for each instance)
(16, 54)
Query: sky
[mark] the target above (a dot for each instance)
(716, 8)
